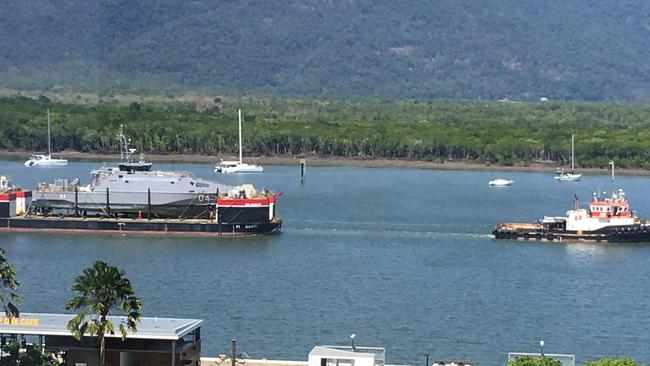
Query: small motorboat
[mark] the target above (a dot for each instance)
(500, 182)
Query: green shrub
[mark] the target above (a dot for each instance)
(534, 361)
(613, 362)
(33, 356)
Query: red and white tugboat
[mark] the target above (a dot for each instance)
(607, 220)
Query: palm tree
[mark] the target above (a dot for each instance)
(8, 297)
(100, 289)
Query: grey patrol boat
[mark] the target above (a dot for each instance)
(132, 189)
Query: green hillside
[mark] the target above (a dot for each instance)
(451, 49)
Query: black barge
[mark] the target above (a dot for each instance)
(186, 227)
(226, 215)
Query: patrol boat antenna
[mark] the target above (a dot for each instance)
(125, 152)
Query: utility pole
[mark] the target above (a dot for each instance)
(233, 352)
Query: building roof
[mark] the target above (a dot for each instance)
(56, 325)
(347, 352)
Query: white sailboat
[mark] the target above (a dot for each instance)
(43, 159)
(237, 166)
(561, 175)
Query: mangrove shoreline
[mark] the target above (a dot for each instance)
(418, 134)
(314, 160)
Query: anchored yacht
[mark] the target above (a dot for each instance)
(237, 166)
(46, 159)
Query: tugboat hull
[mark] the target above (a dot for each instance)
(638, 233)
(605, 220)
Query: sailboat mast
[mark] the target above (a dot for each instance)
(240, 153)
(48, 133)
(572, 152)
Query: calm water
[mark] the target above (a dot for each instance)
(403, 258)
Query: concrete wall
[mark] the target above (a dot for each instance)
(156, 359)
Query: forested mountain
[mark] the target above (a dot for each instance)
(454, 49)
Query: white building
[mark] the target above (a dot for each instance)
(347, 356)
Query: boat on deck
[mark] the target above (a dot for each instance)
(133, 196)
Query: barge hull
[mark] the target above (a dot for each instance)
(133, 226)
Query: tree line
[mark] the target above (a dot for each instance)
(503, 133)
